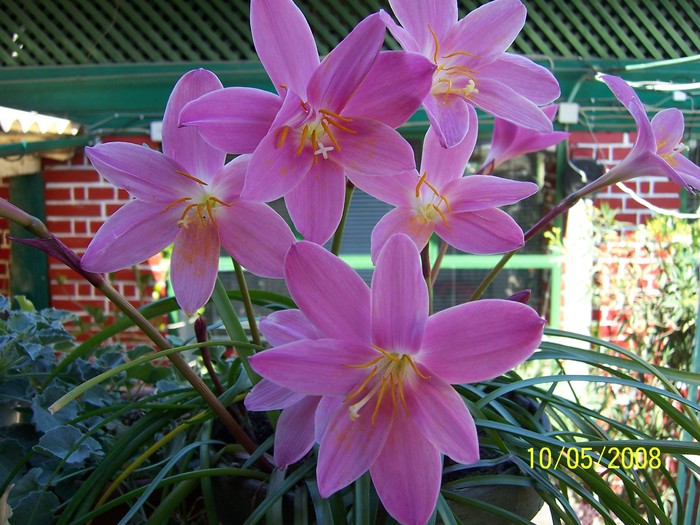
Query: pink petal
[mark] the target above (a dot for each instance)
(284, 43)
(486, 31)
(316, 204)
(326, 408)
(294, 435)
(668, 127)
(194, 265)
(403, 37)
(450, 118)
(316, 279)
(184, 145)
(627, 96)
(373, 149)
(442, 417)
(394, 88)
(407, 473)
(500, 334)
(396, 190)
(445, 164)
(145, 173)
(688, 174)
(346, 66)
(348, 448)
(256, 236)
(480, 192)
(229, 180)
(400, 220)
(399, 297)
(642, 163)
(484, 231)
(274, 171)
(137, 231)
(502, 101)
(233, 120)
(418, 18)
(315, 367)
(287, 326)
(523, 76)
(266, 395)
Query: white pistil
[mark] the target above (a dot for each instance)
(323, 150)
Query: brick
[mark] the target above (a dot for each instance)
(77, 243)
(581, 153)
(95, 225)
(74, 210)
(100, 194)
(111, 209)
(80, 227)
(60, 226)
(57, 194)
(666, 186)
(79, 193)
(670, 203)
(626, 217)
(81, 176)
(619, 153)
(122, 194)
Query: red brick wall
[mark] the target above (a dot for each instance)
(609, 148)
(78, 201)
(621, 251)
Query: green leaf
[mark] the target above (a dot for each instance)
(67, 443)
(35, 508)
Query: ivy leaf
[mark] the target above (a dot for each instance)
(60, 443)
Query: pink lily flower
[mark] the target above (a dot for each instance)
(384, 371)
(473, 67)
(461, 210)
(294, 435)
(337, 117)
(184, 195)
(510, 141)
(658, 148)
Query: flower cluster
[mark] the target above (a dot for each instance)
(367, 378)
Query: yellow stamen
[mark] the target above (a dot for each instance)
(200, 215)
(362, 386)
(314, 142)
(415, 368)
(209, 211)
(283, 137)
(304, 106)
(334, 115)
(433, 188)
(283, 86)
(386, 354)
(175, 203)
(185, 174)
(437, 209)
(187, 210)
(366, 365)
(449, 85)
(420, 183)
(401, 395)
(330, 135)
(340, 126)
(304, 132)
(392, 386)
(447, 204)
(219, 201)
(435, 39)
(379, 399)
(460, 53)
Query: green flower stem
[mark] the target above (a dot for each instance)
(565, 205)
(247, 303)
(438, 261)
(338, 235)
(37, 227)
(233, 327)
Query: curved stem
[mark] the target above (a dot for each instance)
(233, 326)
(566, 204)
(338, 235)
(438, 261)
(247, 303)
(37, 227)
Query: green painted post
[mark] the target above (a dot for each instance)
(29, 268)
